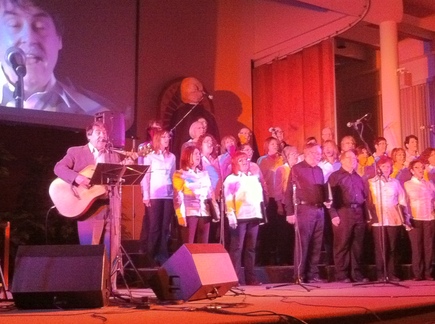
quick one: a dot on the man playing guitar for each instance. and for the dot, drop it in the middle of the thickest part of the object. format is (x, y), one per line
(73, 195)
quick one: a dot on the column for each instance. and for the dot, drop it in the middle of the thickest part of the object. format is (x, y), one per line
(390, 85)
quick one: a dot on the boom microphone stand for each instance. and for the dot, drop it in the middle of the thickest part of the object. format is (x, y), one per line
(298, 250)
(171, 132)
(360, 135)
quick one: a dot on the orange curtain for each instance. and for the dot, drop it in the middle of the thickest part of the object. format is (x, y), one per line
(296, 93)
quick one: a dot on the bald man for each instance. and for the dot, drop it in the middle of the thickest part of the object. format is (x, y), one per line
(192, 94)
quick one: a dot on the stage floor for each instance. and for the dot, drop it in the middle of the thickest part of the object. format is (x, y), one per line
(412, 302)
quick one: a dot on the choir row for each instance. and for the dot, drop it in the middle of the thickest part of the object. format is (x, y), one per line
(300, 189)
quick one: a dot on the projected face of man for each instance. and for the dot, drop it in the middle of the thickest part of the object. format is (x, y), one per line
(32, 29)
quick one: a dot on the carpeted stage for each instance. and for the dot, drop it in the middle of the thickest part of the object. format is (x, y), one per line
(412, 302)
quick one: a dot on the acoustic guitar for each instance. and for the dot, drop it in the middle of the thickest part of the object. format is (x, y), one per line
(73, 201)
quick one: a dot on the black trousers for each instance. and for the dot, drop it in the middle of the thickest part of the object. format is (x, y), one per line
(422, 240)
(243, 242)
(391, 237)
(308, 241)
(348, 243)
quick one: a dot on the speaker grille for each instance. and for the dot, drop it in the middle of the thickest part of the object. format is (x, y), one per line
(60, 276)
(195, 271)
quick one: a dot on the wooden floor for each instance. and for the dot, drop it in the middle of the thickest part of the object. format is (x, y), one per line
(411, 302)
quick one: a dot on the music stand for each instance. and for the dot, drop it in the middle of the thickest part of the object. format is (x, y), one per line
(116, 176)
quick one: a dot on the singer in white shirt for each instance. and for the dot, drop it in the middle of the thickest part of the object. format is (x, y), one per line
(243, 198)
(157, 191)
(390, 211)
(420, 199)
(192, 192)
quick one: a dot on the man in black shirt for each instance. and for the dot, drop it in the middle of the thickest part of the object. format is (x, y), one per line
(348, 217)
(309, 197)
(191, 110)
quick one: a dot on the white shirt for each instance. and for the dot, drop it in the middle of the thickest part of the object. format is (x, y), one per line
(191, 189)
(243, 197)
(410, 157)
(157, 182)
(420, 195)
(98, 155)
(392, 195)
(328, 167)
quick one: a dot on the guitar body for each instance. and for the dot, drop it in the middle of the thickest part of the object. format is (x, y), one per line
(73, 201)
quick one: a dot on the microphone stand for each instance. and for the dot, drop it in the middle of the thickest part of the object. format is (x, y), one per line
(133, 211)
(221, 205)
(19, 91)
(360, 135)
(184, 117)
(298, 250)
(385, 279)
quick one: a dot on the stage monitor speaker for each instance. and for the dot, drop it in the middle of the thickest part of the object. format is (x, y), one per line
(195, 271)
(60, 276)
(115, 126)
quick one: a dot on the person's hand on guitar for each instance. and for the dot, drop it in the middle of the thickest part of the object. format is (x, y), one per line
(127, 161)
(130, 156)
(83, 181)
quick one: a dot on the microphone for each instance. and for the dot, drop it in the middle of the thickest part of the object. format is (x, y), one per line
(16, 58)
(272, 130)
(381, 174)
(209, 96)
(430, 127)
(358, 121)
(109, 145)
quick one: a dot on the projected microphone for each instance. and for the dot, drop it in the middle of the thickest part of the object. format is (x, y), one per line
(209, 96)
(16, 58)
(357, 122)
